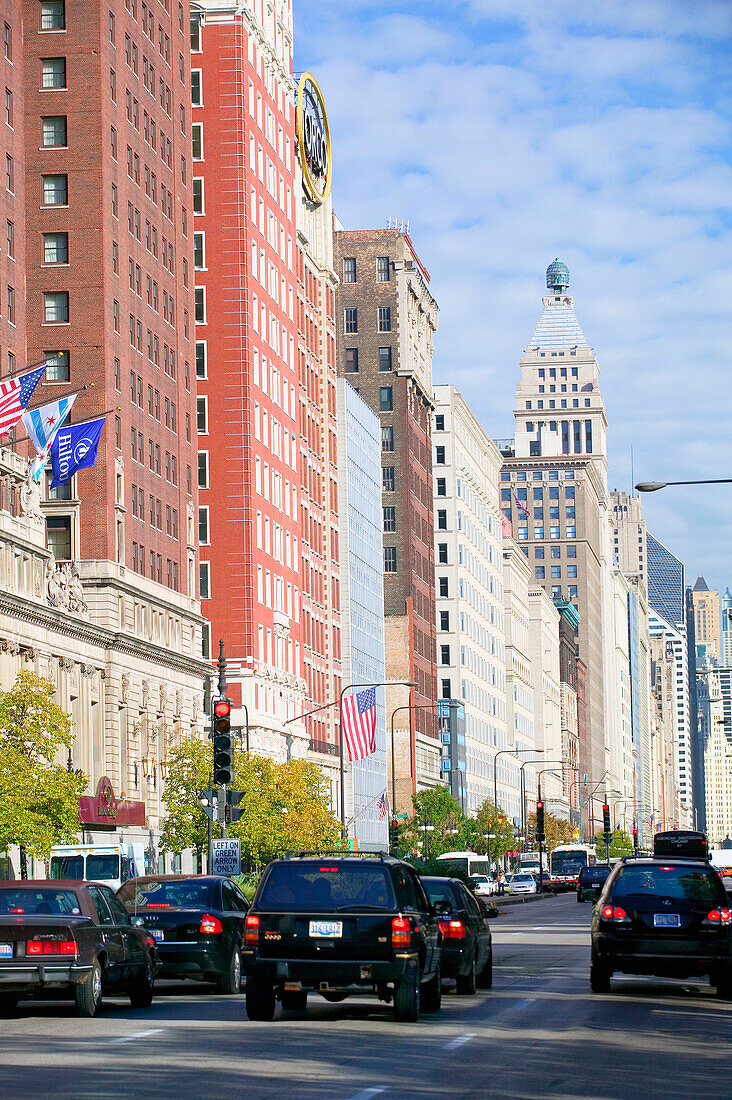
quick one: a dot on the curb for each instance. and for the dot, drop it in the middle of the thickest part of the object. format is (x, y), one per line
(517, 899)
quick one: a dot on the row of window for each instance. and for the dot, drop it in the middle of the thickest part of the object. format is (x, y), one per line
(383, 269)
(538, 493)
(352, 362)
(156, 566)
(553, 405)
(156, 512)
(383, 319)
(536, 475)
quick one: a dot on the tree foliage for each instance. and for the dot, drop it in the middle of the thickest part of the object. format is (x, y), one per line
(620, 845)
(490, 819)
(39, 797)
(557, 830)
(452, 830)
(284, 806)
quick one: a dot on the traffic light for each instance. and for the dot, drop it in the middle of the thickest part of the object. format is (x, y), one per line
(393, 836)
(606, 818)
(233, 809)
(223, 772)
(539, 820)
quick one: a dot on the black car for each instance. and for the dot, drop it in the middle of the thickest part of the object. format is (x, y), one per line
(69, 935)
(339, 925)
(591, 881)
(197, 922)
(668, 916)
(467, 952)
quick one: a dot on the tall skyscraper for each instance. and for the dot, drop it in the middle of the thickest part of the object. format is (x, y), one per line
(469, 589)
(629, 535)
(727, 628)
(665, 582)
(103, 128)
(554, 491)
(388, 317)
(705, 604)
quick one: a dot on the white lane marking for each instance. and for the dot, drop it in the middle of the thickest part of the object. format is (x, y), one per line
(460, 1041)
(366, 1094)
(524, 1004)
(138, 1035)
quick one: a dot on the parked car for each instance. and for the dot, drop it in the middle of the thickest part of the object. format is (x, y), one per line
(197, 922)
(467, 952)
(70, 935)
(521, 883)
(668, 916)
(591, 881)
(340, 925)
(484, 885)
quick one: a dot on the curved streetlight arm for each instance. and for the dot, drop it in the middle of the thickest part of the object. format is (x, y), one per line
(410, 707)
(513, 752)
(654, 486)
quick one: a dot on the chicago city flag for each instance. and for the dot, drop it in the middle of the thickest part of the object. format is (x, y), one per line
(74, 447)
(359, 724)
(42, 425)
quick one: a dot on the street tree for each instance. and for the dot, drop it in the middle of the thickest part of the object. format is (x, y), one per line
(557, 830)
(438, 824)
(620, 845)
(39, 795)
(489, 819)
(189, 771)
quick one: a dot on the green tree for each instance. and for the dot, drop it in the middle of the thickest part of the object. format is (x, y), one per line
(438, 825)
(556, 829)
(39, 797)
(490, 819)
(620, 845)
(284, 806)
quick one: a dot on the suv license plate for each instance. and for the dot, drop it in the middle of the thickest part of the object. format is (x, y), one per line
(666, 920)
(6, 950)
(326, 929)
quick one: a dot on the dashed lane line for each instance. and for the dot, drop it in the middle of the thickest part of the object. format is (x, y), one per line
(138, 1035)
(459, 1042)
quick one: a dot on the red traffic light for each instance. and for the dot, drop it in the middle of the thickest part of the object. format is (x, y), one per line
(540, 805)
(222, 708)
(606, 809)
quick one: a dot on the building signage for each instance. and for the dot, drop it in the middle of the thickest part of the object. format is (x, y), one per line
(105, 809)
(313, 138)
(225, 857)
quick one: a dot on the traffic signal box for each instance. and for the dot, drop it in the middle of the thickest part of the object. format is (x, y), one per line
(393, 836)
(223, 741)
(540, 821)
(606, 818)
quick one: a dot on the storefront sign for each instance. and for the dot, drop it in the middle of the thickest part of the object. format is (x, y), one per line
(313, 138)
(105, 809)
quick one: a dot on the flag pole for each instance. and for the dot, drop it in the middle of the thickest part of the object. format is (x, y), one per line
(75, 423)
(19, 373)
(60, 396)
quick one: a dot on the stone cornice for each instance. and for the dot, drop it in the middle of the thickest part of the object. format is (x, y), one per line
(81, 631)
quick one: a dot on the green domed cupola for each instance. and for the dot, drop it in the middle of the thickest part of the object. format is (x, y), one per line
(557, 276)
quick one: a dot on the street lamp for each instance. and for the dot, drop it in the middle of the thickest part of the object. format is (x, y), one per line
(513, 752)
(148, 765)
(654, 486)
(522, 786)
(428, 828)
(489, 837)
(409, 706)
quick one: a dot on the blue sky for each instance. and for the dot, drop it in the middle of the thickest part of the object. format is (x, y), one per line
(508, 132)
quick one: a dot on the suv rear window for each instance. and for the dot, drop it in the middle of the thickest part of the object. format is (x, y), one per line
(183, 894)
(668, 881)
(326, 886)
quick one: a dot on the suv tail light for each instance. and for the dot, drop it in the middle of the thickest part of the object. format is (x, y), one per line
(616, 914)
(50, 947)
(210, 925)
(719, 917)
(401, 932)
(452, 929)
(251, 931)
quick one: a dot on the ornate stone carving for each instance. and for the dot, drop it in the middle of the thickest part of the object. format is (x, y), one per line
(37, 578)
(7, 646)
(163, 697)
(65, 663)
(30, 499)
(56, 585)
(195, 702)
(125, 687)
(75, 591)
(145, 693)
(178, 703)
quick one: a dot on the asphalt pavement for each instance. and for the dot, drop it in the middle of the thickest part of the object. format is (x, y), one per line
(539, 1032)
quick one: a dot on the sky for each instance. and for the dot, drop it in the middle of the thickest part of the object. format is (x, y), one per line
(508, 132)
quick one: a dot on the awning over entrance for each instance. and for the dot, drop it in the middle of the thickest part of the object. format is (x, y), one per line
(105, 809)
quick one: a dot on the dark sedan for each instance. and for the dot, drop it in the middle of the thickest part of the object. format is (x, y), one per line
(591, 881)
(467, 951)
(69, 935)
(667, 916)
(197, 922)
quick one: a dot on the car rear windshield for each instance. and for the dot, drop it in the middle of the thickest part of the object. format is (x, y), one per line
(326, 887)
(668, 881)
(39, 902)
(182, 894)
(438, 891)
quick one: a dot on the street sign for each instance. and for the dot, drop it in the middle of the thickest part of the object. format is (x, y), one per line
(225, 857)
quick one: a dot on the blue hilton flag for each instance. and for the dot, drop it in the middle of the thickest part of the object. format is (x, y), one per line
(73, 448)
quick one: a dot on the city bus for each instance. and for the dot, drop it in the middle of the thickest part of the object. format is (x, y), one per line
(464, 864)
(565, 863)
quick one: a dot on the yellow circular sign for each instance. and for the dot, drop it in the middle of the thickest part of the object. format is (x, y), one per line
(313, 137)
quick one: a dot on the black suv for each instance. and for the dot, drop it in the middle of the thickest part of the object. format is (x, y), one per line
(339, 925)
(667, 915)
(591, 881)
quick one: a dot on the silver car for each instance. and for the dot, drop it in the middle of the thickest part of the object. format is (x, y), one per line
(521, 883)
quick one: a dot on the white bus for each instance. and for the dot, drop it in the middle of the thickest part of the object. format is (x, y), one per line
(464, 863)
(565, 863)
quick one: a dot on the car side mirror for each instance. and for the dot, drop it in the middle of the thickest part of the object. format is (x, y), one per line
(490, 912)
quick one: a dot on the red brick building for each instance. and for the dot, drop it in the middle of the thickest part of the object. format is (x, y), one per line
(387, 319)
(12, 157)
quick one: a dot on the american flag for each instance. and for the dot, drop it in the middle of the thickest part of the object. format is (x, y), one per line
(359, 724)
(382, 806)
(15, 393)
(521, 506)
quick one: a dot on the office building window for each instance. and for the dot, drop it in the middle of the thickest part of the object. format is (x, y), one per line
(53, 131)
(53, 15)
(556, 591)
(553, 532)
(440, 456)
(55, 190)
(387, 479)
(384, 359)
(444, 586)
(445, 689)
(382, 269)
(200, 305)
(57, 366)
(441, 487)
(55, 248)
(556, 571)
(198, 196)
(201, 365)
(442, 553)
(203, 529)
(56, 307)
(351, 360)
(387, 438)
(539, 531)
(386, 403)
(203, 469)
(572, 592)
(571, 531)
(555, 551)
(53, 72)
(571, 570)
(442, 519)
(539, 553)
(349, 269)
(440, 424)
(571, 551)
(390, 518)
(58, 537)
(540, 572)
(199, 251)
(384, 318)
(204, 581)
(444, 620)
(444, 655)
(390, 559)
(350, 319)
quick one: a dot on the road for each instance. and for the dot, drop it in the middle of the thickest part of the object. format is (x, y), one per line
(538, 1032)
